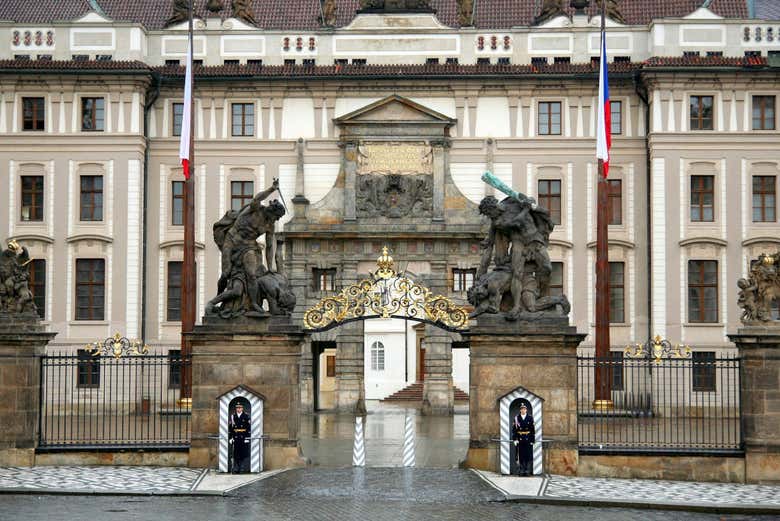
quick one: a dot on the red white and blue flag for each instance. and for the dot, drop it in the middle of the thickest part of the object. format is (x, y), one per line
(184, 144)
(603, 130)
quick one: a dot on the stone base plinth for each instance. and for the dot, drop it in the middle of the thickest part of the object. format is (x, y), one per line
(539, 356)
(262, 355)
(22, 344)
(721, 469)
(759, 348)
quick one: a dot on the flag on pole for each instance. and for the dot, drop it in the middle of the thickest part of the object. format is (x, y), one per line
(603, 131)
(186, 127)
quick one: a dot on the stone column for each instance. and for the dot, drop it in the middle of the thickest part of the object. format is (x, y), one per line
(261, 354)
(300, 203)
(22, 344)
(759, 383)
(439, 167)
(350, 365)
(539, 356)
(438, 394)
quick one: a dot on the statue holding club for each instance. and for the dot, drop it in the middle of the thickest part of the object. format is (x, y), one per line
(517, 245)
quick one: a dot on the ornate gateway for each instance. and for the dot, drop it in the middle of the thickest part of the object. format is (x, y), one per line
(386, 295)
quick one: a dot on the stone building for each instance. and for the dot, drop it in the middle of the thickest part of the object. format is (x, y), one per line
(313, 93)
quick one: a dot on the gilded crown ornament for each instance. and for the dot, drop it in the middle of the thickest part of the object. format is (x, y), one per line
(117, 346)
(385, 264)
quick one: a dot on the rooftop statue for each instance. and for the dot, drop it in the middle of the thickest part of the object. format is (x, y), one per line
(329, 13)
(758, 292)
(242, 9)
(550, 9)
(246, 282)
(181, 12)
(15, 294)
(395, 5)
(517, 244)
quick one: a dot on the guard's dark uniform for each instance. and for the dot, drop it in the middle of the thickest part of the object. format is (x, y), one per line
(240, 432)
(523, 432)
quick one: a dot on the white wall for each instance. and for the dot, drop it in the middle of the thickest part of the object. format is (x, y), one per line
(460, 368)
(380, 384)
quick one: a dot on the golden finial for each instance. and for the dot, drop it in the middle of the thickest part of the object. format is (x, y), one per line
(14, 246)
(385, 264)
(768, 259)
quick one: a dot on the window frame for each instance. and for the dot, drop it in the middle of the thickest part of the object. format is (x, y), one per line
(613, 288)
(174, 368)
(93, 193)
(700, 192)
(87, 369)
(378, 356)
(763, 195)
(93, 115)
(36, 210)
(177, 197)
(612, 111)
(174, 106)
(763, 118)
(245, 121)
(616, 367)
(460, 279)
(562, 285)
(34, 284)
(330, 366)
(171, 312)
(551, 197)
(701, 285)
(614, 197)
(699, 118)
(549, 116)
(320, 278)
(243, 197)
(35, 108)
(96, 314)
(707, 371)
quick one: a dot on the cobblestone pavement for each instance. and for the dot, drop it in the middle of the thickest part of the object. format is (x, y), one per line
(101, 479)
(335, 494)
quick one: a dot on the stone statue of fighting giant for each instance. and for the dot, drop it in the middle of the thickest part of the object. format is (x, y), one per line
(245, 282)
(517, 244)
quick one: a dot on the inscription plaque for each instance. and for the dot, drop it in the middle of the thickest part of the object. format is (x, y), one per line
(395, 158)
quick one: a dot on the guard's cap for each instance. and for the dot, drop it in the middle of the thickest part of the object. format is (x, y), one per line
(523, 406)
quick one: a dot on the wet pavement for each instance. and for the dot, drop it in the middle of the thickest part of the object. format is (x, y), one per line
(441, 441)
(335, 494)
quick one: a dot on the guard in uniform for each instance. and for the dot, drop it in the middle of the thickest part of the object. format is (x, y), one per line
(523, 435)
(239, 431)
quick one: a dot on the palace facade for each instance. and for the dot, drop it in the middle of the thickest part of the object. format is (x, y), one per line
(378, 125)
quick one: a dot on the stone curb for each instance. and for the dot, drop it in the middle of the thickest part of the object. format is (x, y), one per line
(93, 492)
(725, 508)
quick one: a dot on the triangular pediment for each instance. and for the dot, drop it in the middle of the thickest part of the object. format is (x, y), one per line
(394, 109)
(241, 390)
(93, 17)
(702, 13)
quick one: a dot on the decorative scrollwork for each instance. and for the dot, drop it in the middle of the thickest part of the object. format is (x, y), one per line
(657, 349)
(386, 294)
(118, 346)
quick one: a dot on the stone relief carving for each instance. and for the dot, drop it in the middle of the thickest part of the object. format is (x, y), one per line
(15, 294)
(758, 291)
(246, 283)
(517, 243)
(394, 195)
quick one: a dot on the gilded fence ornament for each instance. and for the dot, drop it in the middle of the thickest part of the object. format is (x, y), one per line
(657, 349)
(760, 289)
(118, 346)
(386, 294)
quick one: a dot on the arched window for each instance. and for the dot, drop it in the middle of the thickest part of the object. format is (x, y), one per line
(377, 356)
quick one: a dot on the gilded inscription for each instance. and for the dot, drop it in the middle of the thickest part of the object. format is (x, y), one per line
(395, 158)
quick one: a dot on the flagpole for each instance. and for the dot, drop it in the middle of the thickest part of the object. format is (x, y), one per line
(602, 374)
(188, 264)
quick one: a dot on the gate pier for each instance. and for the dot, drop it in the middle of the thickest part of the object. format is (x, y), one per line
(23, 342)
(261, 354)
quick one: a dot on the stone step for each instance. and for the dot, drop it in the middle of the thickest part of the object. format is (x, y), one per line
(414, 393)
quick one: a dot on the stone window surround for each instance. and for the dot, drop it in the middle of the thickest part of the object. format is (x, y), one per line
(18, 173)
(46, 106)
(685, 193)
(541, 173)
(103, 226)
(107, 286)
(716, 107)
(171, 231)
(618, 253)
(229, 108)
(244, 173)
(563, 115)
(749, 123)
(694, 254)
(78, 109)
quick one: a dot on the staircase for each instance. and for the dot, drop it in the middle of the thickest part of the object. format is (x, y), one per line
(414, 393)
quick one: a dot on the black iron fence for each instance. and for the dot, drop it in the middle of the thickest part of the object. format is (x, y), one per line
(674, 405)
(95, 402)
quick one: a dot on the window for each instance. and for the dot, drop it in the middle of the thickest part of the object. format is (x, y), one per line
(230, 62)
(104, 57)
(504, 60)
(32, 198)
(341, 61)
(463, 279)
(197, 62)
(177, 203)
(88, 369)
(174, 368)
(691, 54)
(702, 291)
(556, 279)
(37, 284)
(549, 118)
(377, 356)
(703, 363)
(561, 59)
(432, 61)
(90, 289)
(172, 62)
(22, 57)
(330, 366)
(763, 112)
(243, 119)
(615, 201)
(621, 59)
(44, 57)
(701, 112)
(617, 370)
(81, 57)
(711, 54)
(616, 117)
(34, 114)
(178, 114)
(289, 61)
(550, 198)
(764, 198)
(308, 62)
(452, 61)
(538, 60)
(254, 62)
(752, 54)
(359, 61)
(91, 198)
(702, 198)
(92, 114)
(324, 279)
(174, 291)
(617, 312)
(483, 61)
(241, 194)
